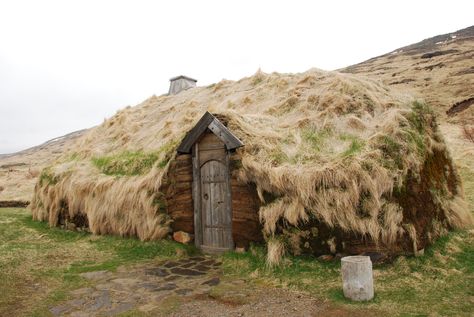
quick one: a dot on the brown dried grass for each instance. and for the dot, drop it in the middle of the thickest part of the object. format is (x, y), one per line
(298, 131)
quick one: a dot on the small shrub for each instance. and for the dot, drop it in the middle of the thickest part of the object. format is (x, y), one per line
(47, 177)
(419, 117)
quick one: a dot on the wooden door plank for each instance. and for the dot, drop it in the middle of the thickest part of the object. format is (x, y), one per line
(197, 196)
(216, 211)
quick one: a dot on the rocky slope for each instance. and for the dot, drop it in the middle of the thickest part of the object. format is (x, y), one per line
(440, 69)
(19, 171)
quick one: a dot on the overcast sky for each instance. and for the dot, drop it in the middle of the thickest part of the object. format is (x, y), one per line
(67, 65)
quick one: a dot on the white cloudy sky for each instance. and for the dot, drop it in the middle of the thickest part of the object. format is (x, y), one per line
(66, 65)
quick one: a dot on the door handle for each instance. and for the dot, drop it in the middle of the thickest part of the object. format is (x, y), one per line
(206, 196)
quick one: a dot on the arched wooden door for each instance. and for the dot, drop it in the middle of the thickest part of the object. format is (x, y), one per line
(216, 216)
(212, 195)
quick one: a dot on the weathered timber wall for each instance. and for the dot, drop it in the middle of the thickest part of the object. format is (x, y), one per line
(178, 192)
(179, 201)
(246, 226)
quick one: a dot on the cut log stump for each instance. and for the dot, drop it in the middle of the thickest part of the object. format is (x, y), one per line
(357, 280)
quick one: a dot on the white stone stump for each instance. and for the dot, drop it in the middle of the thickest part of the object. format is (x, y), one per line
(357, 280)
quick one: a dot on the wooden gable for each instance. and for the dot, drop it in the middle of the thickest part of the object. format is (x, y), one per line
(208, 121)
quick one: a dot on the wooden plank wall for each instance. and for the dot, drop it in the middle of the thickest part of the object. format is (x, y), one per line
(177, 187)
(246, 226)
(178, 192)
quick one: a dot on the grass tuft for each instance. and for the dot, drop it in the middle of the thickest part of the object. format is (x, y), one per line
(126, 163)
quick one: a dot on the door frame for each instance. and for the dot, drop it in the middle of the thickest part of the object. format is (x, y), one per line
(198, 224)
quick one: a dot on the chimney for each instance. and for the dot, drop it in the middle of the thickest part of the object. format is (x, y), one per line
(180, 83)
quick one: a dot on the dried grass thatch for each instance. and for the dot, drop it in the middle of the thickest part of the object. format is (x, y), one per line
(325, 146)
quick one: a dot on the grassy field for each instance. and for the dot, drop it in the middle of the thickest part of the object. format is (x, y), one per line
(39, 266)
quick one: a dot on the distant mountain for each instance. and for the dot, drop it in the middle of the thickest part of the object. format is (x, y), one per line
(439, 69)
(19, 171)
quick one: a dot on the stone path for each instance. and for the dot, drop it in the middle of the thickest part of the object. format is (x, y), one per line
(187, 287)
(142, 288)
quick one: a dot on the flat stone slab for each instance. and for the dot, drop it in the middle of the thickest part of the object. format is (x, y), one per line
(59, 310)
(212, 282)
(101, 301)
(120, 308)
(185, 272)
(141, 288)
(167, 287)
(171, 264)
(158, 272)
(183, 291)
(202, 268)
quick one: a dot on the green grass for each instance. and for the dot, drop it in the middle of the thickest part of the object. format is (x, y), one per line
(47, 177)
(126, 163)
(440, 282)
(355, 146)
(278, 156)
(316, 137)
(31, 253)
(134, 163)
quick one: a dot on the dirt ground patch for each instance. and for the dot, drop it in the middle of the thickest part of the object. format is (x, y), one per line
(52, 272)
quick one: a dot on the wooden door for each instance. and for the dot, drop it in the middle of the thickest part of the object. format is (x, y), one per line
(213, 208)
(216, 219)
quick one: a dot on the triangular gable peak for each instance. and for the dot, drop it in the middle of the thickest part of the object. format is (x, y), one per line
(208, 121)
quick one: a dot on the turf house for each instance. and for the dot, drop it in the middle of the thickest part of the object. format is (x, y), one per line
(311, 163)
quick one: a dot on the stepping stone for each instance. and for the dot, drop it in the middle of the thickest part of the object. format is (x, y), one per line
(202, 268)
(212, 282)
(186, 272)
(157, 272)
(150, 285)
(167, 287)
(197, 258)
(59, 310)
(76, 302)
(188, 265)
(120, 308)
(208, 262)
(183, 291)
(171, 264)
(100, 302)
(172, 278)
